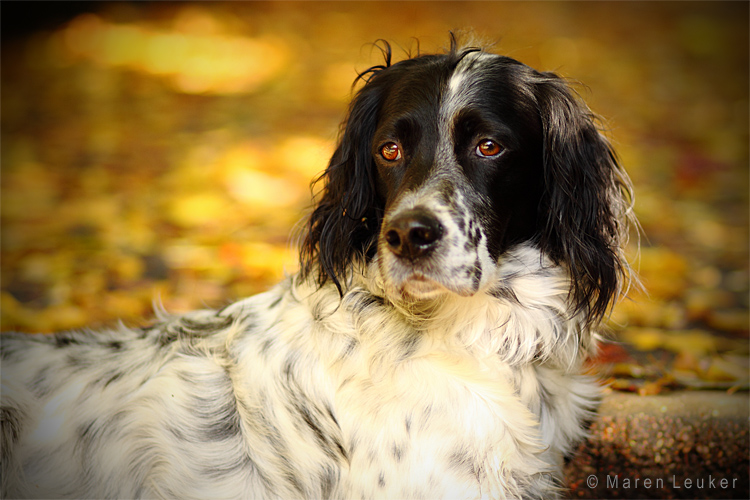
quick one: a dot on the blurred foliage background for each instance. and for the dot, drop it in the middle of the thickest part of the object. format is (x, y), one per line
(164, 152)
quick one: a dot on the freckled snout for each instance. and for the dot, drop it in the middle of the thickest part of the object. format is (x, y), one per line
(412, 234)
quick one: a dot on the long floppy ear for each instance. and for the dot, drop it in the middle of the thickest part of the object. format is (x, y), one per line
(588, 200)
(345, 223)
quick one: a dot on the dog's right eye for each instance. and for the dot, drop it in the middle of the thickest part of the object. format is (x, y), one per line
(488, 148)
(390, 151)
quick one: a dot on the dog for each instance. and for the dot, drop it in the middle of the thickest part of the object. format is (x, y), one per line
(466, 243)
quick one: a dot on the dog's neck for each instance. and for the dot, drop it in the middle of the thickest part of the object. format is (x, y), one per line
(524, 316)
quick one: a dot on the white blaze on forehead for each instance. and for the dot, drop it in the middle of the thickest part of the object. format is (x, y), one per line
(461, 85)
(456, 82)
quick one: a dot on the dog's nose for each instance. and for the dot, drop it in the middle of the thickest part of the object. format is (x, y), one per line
(413, 233)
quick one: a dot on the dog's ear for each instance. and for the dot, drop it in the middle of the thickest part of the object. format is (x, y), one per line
(587, 203)
(345, 221)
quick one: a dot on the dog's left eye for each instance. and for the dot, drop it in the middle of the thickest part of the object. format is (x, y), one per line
(488, 148)
(390, 151)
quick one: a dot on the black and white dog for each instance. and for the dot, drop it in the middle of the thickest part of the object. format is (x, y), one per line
(467, 240)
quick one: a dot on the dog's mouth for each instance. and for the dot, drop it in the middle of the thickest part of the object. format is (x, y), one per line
(417, 286)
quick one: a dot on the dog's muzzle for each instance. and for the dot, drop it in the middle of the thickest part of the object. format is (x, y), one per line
(413, 234)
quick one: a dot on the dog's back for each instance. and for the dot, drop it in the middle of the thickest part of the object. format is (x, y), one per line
(119, 413)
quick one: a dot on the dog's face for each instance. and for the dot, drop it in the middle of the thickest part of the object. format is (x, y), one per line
(448, 161)
(458, 159)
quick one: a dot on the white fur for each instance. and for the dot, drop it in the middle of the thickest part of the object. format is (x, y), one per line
(299, 393)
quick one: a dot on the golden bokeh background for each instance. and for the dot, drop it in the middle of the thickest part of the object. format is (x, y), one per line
(163, 152)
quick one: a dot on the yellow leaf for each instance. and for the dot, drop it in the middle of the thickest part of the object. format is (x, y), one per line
(643, 339)
(697, 342)
(197, 209)
(723, 369)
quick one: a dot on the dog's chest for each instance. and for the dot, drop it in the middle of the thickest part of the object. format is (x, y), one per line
(429, 428)
(386, 412)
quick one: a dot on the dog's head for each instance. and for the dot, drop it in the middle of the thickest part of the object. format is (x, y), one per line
(448, 161)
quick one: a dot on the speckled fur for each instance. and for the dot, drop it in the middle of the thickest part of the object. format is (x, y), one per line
(298, 393)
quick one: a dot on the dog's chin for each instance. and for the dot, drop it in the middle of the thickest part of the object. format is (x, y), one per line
(419, 288)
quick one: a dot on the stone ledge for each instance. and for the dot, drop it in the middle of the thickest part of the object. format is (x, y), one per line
(678, 445)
